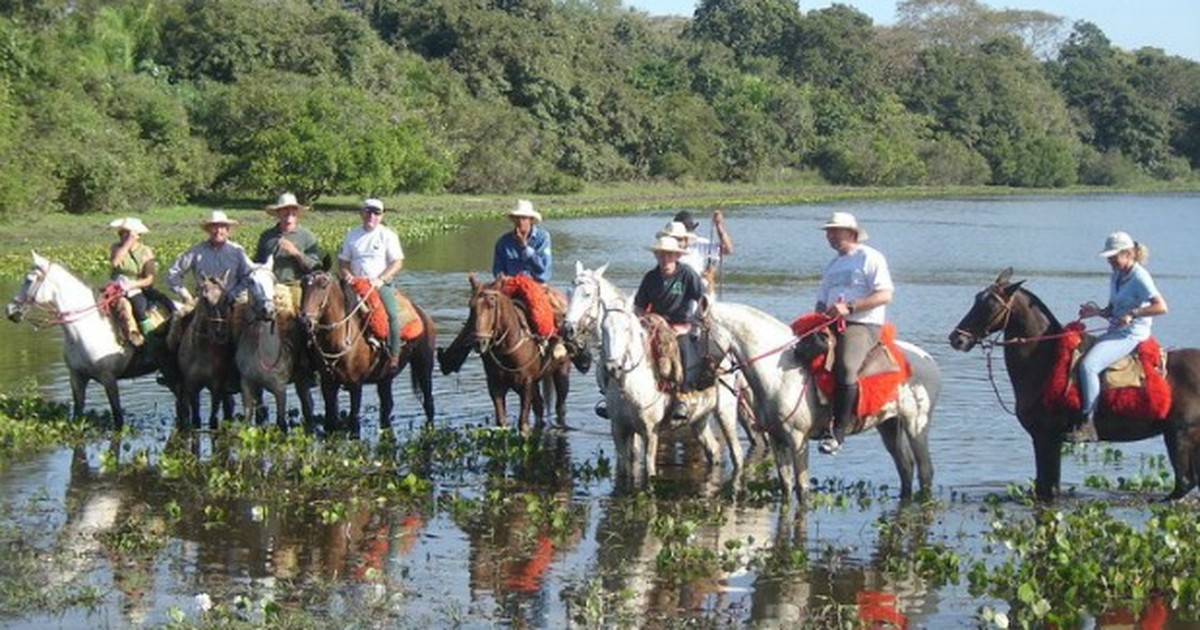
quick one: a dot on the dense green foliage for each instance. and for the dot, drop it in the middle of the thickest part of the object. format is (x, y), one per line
(120, 105)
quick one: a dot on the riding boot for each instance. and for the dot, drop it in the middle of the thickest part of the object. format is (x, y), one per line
(1085, 429)
(452, 358)
(845, 412)
(132, 333)
(580, 355)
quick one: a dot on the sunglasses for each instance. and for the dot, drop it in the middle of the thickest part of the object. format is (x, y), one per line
(372, 210)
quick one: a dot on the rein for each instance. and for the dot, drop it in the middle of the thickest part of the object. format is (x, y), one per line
(56, 316)
(348, 341)
(496, 341)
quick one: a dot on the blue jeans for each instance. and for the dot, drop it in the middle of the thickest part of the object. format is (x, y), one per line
(1109, 348)
(388, 297)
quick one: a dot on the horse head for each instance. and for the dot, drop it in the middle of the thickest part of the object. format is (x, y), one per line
(989, 314)
(622, 340)
(34, 289)
(316, 288)
(583, 310)
(261, 286)
(487, 312)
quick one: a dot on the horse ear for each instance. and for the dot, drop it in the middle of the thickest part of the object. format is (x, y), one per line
(39, 261)
(270, 263)
(326, 262)
(600, 270)
(474, 283)
(578, 267)
(1004, 276)
(1012, 288)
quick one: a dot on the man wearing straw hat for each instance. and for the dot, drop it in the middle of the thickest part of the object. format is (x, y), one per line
(214, 257)
(673, 290)
(856, 287)
(292, 248)
(703, 254)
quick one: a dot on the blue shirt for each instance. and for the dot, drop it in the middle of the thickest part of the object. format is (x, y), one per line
(1127, 291)
(533, 260)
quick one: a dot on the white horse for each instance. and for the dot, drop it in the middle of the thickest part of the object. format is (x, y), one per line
(271, 351)
(91, 348)
(636, 405)
(786, 402)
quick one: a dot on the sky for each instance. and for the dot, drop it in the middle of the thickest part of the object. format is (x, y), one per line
(1130, 24)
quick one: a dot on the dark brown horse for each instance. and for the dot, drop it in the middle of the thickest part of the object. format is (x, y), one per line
(512, 359)
(1030, 344)
(206, 353)
(332, 316)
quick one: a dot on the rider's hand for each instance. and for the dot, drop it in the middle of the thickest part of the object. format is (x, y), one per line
(125, 283)
(288, 247)
(718, 219)
(186, 296)
(1088, 309)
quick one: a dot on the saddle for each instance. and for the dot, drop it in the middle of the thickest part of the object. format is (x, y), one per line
(374, 316)
(880, 376)
(538, 302)
(1134, 387)
(664, 351)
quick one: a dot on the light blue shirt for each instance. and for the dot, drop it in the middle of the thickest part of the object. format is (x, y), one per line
(1128, 291)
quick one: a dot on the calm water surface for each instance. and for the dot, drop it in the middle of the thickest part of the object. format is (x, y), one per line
(941, 253)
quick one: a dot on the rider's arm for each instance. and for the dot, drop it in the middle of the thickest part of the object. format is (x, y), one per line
(538, 256)
(876, 298)
(726, 243)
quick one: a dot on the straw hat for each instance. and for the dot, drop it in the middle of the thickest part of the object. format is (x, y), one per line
(674, 229)
(373, 204)
(524, 208)
(130, 224)
(1116, 242)
(218, 217)
(286, 200)
(667, 244)
(847, 221)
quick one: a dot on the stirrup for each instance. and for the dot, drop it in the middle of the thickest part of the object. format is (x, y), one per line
(830, 445)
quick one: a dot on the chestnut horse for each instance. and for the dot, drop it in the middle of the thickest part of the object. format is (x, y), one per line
(512, 359)
(332, 316)
(1030, 343)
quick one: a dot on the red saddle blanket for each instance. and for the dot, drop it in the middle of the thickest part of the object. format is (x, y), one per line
(1151, 402)
(411, 325)
(874, 391)
(541, 314)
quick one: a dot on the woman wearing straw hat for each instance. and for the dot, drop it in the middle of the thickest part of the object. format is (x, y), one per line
(673, 290)
(215, 256)
(133, 270)
(292, 248)
(1133, 299)
(856, 287)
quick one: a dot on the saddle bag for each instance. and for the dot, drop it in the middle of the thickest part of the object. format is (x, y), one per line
(811, 346)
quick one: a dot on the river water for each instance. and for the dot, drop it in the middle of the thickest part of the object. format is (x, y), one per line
(941, 253)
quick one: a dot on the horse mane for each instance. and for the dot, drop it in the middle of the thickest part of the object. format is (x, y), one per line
(1038, 305)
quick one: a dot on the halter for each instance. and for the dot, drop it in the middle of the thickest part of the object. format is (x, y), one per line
(1000, 318)
(349, 343)
(624, 368)
(58, 316)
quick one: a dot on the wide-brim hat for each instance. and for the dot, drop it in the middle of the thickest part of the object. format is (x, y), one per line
(845, 220)
(1116, 242)
(674, 229)
(218, 217)
(667, 244)
(685, 217)
(286, 200)
(524, 208)
(130, 224)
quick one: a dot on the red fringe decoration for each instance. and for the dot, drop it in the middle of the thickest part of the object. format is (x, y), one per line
(873, 391)
(376, 317)
(541, 314)
(1152, 402)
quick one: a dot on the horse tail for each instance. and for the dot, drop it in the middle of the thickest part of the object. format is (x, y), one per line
(421, 363)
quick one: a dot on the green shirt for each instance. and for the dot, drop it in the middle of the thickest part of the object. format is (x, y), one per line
(289, 268)
(134, 261)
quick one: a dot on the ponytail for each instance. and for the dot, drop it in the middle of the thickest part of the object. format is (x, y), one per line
(1140, 252)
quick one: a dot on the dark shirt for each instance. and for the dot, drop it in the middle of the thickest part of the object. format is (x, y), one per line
(288, 268)
(533, 260)
(672, 297)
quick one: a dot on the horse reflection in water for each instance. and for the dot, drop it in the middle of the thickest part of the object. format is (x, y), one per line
(91, 347)
(332, 316)
(636, 404)
(516, 538)
(785, 403)
(271, 351)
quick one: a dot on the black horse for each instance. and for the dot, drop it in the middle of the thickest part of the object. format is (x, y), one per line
(1031, 335)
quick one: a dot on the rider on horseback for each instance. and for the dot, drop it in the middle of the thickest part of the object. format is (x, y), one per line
(293, 247)
(1133, 299)
(673, 291)
(373, 251)
(856, 287)
(214, 257)
(133, 269)
(523, 251)
(703, 255)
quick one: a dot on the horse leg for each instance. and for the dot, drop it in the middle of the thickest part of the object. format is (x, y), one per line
(781, 444)
(702, 431)
(727, 414)
(421, 370)
(622, 435)
(79, 383)
(251, 400)
(114, 402)
(354, 425)
(280, 392)
(193, 397)
(1047, 454)
(896, 444)
(1182, 453)
(303, 386)
(562, 386)
(329, 392)
(386, 404)
(497, 392)
(650, 437)
(530, 399)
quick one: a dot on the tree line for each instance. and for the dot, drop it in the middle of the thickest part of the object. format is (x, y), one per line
(117, 105)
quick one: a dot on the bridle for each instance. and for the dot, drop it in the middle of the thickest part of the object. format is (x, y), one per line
(628, 361)
(315, 326)
(56, 316)
(489, 340)
(997, 324)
